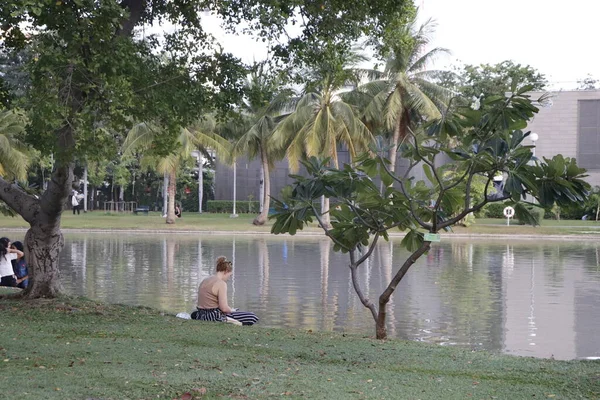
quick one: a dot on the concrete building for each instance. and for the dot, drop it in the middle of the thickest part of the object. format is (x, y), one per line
(570, 126)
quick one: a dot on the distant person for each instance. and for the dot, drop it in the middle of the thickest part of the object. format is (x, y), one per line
(212, 298)
(177, 211)
(75, 203)
(20, 267)
(7, 254)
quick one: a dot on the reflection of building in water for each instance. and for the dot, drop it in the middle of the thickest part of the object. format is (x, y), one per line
(546, 304)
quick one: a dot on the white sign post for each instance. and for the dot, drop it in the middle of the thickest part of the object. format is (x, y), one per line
(509, 212)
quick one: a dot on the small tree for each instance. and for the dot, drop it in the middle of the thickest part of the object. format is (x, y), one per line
(480, 143)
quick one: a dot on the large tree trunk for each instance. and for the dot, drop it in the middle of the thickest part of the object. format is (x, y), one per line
(43, 241)
(171, 198)
(266, 193)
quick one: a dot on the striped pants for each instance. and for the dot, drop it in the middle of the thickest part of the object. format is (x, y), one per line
(215, 314)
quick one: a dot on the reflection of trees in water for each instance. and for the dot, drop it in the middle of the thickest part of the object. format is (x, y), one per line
(385, 251)
(329, 305)
(468, 292)
(263, 271)
(553, 259)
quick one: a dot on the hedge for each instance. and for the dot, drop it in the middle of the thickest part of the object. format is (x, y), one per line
(226, 206)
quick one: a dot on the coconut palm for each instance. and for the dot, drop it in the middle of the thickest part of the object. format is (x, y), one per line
(264, 107)
(14, 155)
(322, 121)
(404, 94)
(142, 136)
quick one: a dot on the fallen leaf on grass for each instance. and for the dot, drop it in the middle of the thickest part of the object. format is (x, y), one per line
(201, 391)
(187, 396)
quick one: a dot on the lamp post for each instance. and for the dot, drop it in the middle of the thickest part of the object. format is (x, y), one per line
(234, 215)
(198, 156)
(533, 137)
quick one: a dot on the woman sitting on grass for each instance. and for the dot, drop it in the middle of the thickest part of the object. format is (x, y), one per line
(7, 254)
(20, 267)
(212, 298)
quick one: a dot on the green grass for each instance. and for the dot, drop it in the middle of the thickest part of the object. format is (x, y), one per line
(222, 222)
(73, 348)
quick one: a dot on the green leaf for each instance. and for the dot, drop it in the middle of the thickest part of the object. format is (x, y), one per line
(412, 240)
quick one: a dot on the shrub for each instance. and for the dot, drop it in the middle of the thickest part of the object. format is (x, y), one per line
(537, 212)
(226, 206)
(494, 210)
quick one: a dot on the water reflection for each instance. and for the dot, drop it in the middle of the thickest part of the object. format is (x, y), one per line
(522, 297)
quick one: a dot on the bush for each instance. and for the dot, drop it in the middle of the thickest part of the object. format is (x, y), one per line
(537, 212)
(494, 210)
(226, 206)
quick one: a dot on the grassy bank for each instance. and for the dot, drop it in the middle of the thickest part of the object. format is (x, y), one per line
(79, 349)
(223, 222)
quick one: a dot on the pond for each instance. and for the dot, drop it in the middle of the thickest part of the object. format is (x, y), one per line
(534, 297)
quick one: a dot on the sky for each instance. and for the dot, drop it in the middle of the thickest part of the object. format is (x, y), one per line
(558, 38)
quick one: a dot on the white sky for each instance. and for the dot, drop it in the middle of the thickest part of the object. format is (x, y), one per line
(557, 38)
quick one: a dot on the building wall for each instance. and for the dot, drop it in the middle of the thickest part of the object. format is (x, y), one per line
(248, 177)
(558, 126)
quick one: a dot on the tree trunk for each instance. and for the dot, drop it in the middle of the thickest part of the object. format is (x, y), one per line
(380, 329)
(325, 212)
(200, 184)
(93, 198)
(43, 244)
(85, 188)
(171, 198)
(165, 192)
(261, 190)
(400, 132)
(264, 214)
(43, 241)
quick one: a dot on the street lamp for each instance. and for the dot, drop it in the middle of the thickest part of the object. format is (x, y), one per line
(534, 137)
(198, 156)
(234, 215)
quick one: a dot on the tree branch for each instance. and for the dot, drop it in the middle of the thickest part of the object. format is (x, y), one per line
(385, 296)
(16, 198)
(136, 9)
(371, 248)
(410, 202)
(353, 267)
(327, 233)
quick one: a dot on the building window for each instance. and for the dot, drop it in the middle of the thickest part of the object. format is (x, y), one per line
(589, 134)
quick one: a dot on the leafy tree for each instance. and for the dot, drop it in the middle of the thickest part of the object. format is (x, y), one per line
(404, 95)
(480, 143)
(90, 77)
(587, 83)
(322, 120)
(264, 106)
(14, 154)
(142, 138)
(488, 79)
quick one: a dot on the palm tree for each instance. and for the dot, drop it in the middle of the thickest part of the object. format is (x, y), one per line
(404, 94)
(142, 136)
(14, 155)
(322, 120)
(265, 106)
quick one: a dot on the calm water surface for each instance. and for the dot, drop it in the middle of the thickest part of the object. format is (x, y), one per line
(528, 297)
